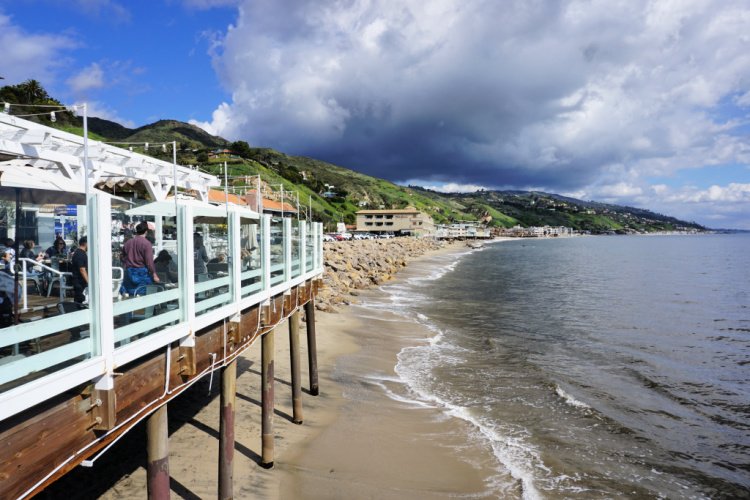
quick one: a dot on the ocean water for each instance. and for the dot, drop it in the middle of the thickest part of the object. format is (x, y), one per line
(598, 367)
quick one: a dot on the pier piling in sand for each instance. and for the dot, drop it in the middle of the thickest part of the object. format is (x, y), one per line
(158, 455)
(312, 349)
(226, 430)
(267, 382)
(294, 364)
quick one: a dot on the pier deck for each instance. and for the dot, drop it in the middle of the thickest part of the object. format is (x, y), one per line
(73, 380)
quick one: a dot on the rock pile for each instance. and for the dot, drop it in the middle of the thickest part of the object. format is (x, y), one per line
(353, 265)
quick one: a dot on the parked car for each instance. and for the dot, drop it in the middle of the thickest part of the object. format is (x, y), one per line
(328, 237)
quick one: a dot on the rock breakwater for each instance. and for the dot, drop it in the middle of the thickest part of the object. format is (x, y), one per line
(354, 265)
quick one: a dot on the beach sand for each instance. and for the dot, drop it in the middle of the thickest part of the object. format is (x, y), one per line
(356, 440)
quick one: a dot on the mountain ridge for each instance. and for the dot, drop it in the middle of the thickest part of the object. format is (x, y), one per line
(336, 193)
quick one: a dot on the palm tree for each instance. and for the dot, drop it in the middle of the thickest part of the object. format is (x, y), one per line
(32, 91)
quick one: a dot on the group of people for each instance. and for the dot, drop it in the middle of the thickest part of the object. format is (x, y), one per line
(137, 258)
(78, 265)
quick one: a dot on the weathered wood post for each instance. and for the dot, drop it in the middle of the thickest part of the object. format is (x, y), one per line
(158, 455)
(312, 348)
(267, 351)
(294, 363)
(226, 430)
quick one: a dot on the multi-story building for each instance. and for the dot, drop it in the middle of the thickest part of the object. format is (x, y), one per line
(398, 221)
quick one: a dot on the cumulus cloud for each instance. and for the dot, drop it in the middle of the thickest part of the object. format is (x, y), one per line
(91, 77)
(448, 187)
(27, 55)
(493, 93)
(113, 11)
(101, 110)
(210, 4)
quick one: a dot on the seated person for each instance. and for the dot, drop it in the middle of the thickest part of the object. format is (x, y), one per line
(57, 249)
(219, 259)
(165, 266)
(6, 261)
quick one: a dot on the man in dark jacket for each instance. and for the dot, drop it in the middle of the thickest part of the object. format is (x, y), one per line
(80, 270)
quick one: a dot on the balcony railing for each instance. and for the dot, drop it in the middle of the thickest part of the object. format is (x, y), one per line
(222, 260)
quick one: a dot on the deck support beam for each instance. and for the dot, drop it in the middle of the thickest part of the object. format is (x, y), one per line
(312, 348)
(226, 430)
(158, 455)
(267, 382)
(294, 364)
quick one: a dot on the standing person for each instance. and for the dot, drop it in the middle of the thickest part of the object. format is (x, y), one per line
(138, 260)
(200, 257)
(80, 264)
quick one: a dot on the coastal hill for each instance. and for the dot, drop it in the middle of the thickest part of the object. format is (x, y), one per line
(336, 193)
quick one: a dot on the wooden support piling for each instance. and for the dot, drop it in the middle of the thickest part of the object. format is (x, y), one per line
(226, 430)
(294, 363)
(312, 349)
(158, 455)
(267, 353)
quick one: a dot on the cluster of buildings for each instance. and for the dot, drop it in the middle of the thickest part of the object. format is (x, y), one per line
(410, 221)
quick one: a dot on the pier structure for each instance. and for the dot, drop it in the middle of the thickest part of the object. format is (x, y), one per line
(76, 377)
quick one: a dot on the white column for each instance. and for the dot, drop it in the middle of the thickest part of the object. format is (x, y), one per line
(302, 247)
(235, 256)
(265, 257)
(287, 247)
(100, 285)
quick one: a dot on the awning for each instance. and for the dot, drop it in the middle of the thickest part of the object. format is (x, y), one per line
(25, 184)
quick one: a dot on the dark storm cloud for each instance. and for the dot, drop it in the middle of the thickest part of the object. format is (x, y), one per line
(577, 96)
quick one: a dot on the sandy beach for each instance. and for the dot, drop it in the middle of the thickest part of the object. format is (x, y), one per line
(359, 438)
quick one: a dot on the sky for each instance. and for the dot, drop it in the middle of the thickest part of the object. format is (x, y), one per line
(634, 102)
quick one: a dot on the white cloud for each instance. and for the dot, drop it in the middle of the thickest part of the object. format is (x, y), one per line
(210, 4)
(90, 77)
(584, 95)
(101, 110)
(448, 187)
(26, 55)
(527, 88)
(105, 8)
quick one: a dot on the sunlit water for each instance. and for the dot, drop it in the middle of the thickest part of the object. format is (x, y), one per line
(593, 367)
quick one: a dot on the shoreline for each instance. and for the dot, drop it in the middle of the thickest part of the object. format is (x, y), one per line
(382, 443)
(370, 446)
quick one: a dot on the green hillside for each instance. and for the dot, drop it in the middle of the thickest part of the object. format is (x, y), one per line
(336, 193)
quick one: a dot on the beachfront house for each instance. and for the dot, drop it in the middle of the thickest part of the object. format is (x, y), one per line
(407, 221)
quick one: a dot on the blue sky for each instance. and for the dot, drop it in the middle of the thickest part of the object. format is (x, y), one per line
(637, 102)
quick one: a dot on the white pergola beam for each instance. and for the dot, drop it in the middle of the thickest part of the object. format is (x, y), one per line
(40, 143)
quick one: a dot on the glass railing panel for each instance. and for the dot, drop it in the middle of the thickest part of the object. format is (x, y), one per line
(144, 304)
(277, 251)
(309, 247)
(251, 277)
(296, 250)
(211, 261)
(45, 324)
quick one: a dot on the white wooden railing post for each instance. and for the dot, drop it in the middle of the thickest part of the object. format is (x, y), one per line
(265, 236)
(100, 290)
(320, 246)
(235, 256)
(186, 269)
(287, 247)
(302, 247)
